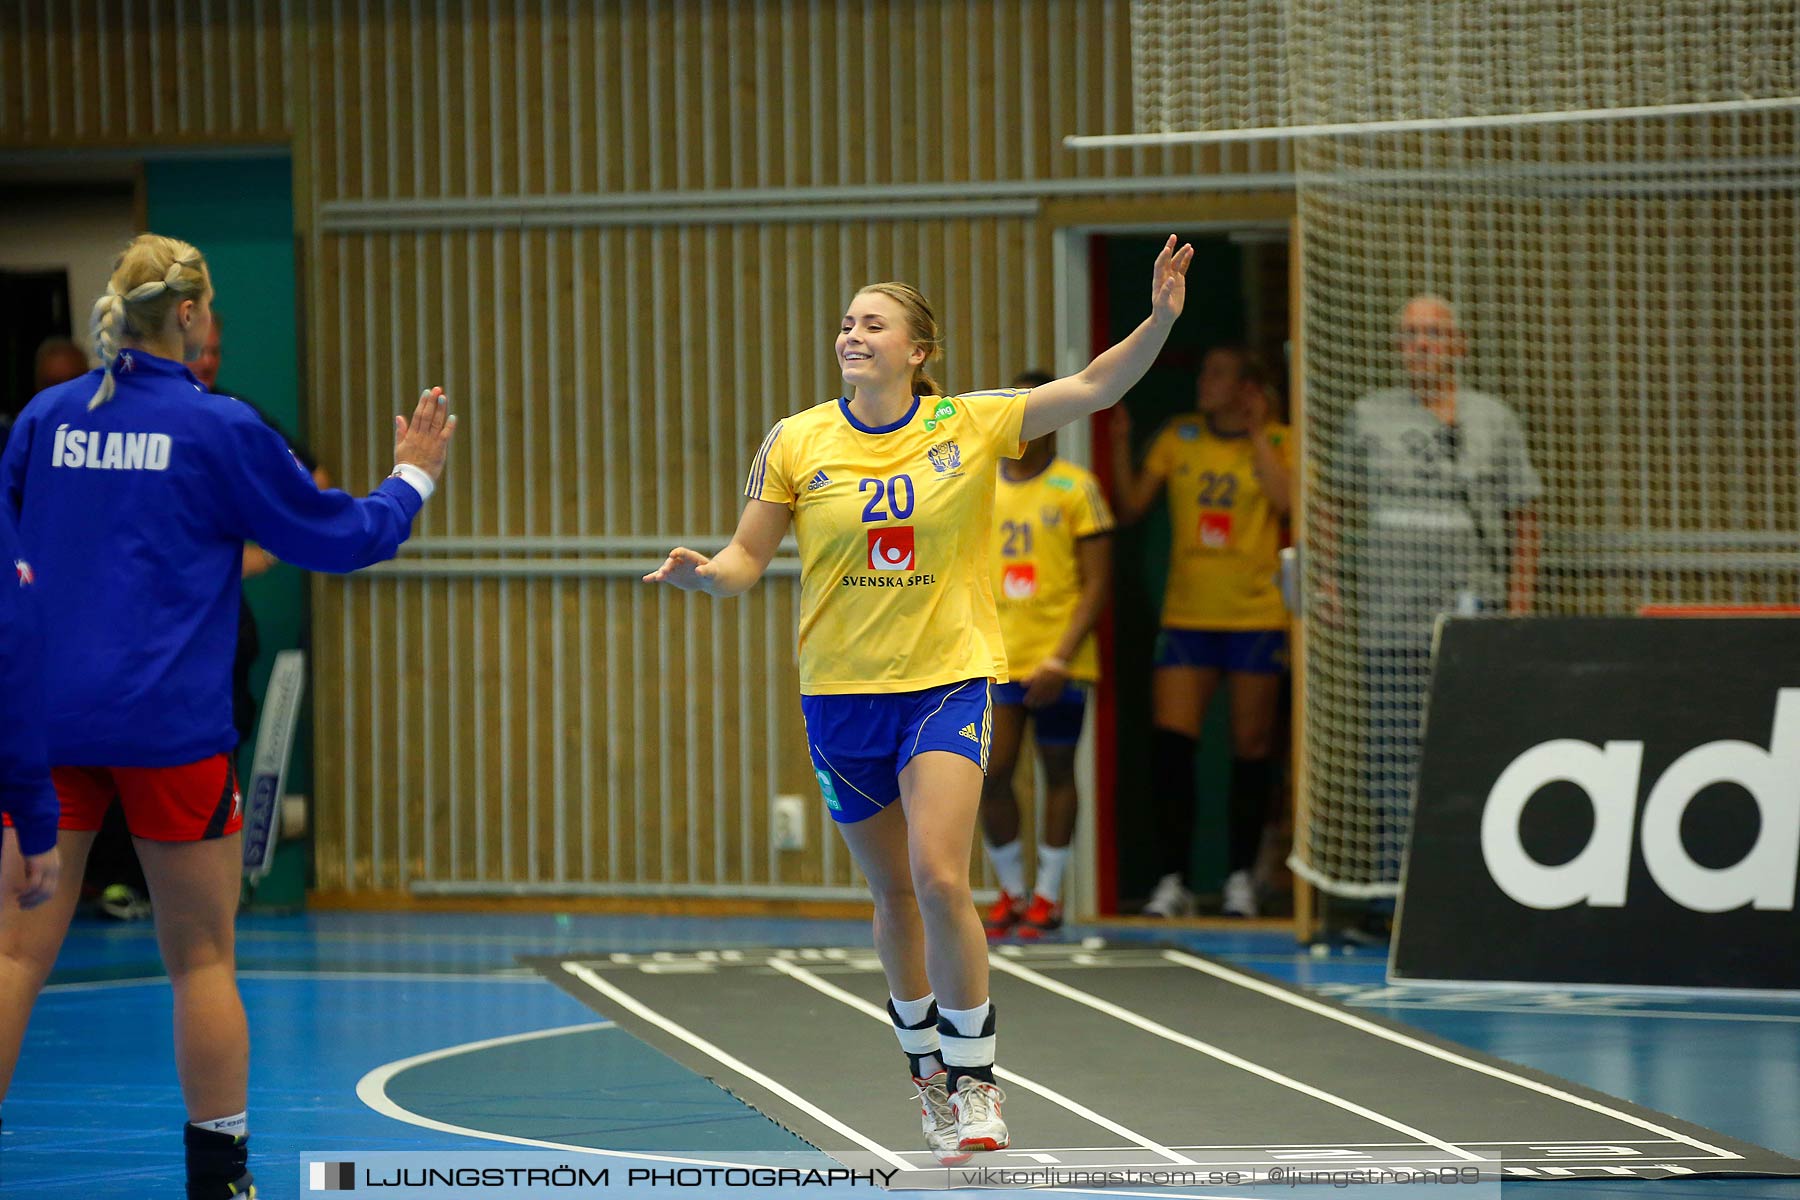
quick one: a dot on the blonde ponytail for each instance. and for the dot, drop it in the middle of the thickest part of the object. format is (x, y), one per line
(152, 276)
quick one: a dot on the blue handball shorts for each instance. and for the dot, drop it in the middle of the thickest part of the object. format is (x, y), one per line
(1058, 723)
(1240, 651)
(861, 742)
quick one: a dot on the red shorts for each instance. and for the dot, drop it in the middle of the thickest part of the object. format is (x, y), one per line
(189, 803)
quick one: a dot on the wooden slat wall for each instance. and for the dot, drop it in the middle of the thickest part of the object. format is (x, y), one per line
(92, 73)
(614, 372)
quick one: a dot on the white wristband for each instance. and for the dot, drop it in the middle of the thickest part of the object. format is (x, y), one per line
(415, 478)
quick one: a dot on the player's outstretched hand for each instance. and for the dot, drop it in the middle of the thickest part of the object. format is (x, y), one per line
(1168, 282)
(686, 569)
(425, 443)
(37, 882)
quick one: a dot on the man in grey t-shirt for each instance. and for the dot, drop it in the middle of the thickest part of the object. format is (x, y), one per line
(1447, 523)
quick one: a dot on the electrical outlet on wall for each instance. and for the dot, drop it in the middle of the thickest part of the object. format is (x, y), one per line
(787, 823)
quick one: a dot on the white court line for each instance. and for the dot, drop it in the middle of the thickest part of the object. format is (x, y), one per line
(1400, 1039)
(395, 976)
(102, 985)
(1050, 1094)
(97, 985)
(371, 1089)
(1540, 1010)
(593, 980)
(1224, 1056)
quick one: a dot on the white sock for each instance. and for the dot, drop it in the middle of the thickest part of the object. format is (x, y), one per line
(914, 1011)
(237, 1126)
(1051, 861)
(1009, 865)
(969, 1049)
(967, 1022)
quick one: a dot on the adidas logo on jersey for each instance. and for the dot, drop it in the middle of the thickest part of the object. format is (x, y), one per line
(818, 481)
(970, 732)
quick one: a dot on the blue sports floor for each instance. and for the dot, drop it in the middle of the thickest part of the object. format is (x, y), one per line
(335, 998)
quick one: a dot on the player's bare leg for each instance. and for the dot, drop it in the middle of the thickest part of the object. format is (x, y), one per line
(941, 792)
(30, 938)
(193, 896)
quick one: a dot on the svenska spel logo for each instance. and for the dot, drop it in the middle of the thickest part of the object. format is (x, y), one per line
(27, 576)
(1215, 530)
(332, 1177)
(891, 549)
(1018, 581)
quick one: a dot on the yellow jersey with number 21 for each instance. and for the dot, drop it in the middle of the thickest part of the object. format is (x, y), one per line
(894, 524)
(1037, 523)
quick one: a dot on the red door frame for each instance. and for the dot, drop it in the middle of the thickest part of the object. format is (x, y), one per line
(1106, 733)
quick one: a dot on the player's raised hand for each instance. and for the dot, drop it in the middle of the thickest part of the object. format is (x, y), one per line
(425, 443)
(1168, 281)
(686, 569)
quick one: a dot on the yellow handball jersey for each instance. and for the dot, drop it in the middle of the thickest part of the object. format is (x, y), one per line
(1225, 538)
(894, 522)
(1037, 581)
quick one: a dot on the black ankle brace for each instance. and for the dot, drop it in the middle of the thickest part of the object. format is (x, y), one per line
(914, 1061)
(217, 1164)
(957, 1046)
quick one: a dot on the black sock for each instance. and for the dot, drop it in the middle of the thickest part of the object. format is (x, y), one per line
(217, 1163)
(1251, 781)
(957, 1046)
(1172, 775)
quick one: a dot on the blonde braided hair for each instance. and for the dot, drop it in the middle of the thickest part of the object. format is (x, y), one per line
(149, 278)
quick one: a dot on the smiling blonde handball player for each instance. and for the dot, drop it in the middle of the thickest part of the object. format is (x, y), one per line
(890, 492)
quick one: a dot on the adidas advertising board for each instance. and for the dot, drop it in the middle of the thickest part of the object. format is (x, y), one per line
(1608, 801)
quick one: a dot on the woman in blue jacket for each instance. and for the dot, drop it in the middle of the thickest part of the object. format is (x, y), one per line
(135, 490)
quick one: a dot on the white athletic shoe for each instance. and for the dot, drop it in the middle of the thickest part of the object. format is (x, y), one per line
(977, 1108)
(1240, 895)
(939, 1119)
(1170, 899)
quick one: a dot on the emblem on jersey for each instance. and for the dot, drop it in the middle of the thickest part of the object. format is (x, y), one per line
(1188, 433)
(943, 412)
(1215, 530)
(818, 481)
(1050, 515)
(26, 576)
(945, 457)
(891, 549)
(1019, 581)
(1061, 483)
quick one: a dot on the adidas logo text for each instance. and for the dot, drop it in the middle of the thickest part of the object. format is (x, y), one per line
(969, 732)
(818, 481)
